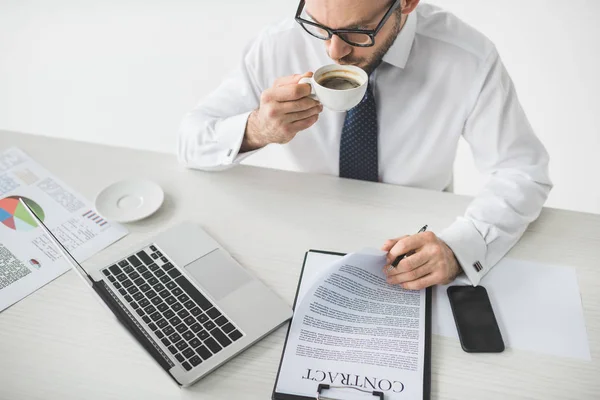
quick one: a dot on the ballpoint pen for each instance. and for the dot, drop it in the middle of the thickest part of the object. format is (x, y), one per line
(403, 256)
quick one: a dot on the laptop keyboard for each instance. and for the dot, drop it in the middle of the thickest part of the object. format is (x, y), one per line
(181, 317)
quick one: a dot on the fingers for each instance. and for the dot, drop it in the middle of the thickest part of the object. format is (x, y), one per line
(432, 263)
(286, 109)
(390, 243)
(304, 114)
(409, 263)
(410, 243)
(292, 79)
(411, 275)
(303, 104)
(289, 92)
(304, 123)
(290, 111)
(421, 283)
(289, 101)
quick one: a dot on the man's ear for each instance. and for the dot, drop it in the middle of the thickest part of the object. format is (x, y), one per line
(409, 6)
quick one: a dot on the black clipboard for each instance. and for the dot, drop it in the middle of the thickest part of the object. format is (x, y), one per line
(427, 356)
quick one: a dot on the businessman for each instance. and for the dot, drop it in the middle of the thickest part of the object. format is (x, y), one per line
(432, 79)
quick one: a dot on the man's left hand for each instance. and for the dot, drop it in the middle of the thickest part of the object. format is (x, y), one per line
(432, 263)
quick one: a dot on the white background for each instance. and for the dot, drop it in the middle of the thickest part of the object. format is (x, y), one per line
(124, 72)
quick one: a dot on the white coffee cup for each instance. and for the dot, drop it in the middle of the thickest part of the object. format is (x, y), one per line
(336, 99)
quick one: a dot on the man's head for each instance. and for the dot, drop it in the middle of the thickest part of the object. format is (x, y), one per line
(359, 14)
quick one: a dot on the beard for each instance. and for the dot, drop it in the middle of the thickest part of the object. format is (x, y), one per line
(370, 63)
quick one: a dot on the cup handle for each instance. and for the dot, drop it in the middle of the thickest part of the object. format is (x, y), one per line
(313, 94)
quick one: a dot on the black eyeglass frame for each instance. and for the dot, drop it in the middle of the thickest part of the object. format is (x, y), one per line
(331, 32)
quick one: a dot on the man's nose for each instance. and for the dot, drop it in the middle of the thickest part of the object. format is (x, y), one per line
(337, 48)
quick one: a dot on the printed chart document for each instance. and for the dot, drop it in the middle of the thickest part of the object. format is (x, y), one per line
(352, 329)
(28, 260)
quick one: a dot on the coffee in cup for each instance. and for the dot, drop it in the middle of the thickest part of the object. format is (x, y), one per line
(338, 87)
(338, 83)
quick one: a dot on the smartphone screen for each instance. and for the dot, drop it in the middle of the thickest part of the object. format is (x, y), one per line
(475, 320)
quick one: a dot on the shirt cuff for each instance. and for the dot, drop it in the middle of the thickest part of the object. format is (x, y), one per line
(469, 248)
(232, 131)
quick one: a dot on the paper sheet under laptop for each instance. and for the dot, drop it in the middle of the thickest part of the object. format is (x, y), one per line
(538, 307)
(28, 260)
(351, 328)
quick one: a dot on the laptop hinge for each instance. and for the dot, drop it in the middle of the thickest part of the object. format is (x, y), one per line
(131, 324)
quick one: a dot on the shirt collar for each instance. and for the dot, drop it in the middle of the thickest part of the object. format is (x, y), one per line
(397, 55)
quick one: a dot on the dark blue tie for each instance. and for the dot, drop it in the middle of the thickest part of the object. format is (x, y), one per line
(358, 145)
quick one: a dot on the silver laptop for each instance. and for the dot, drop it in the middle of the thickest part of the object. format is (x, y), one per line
(185, 300)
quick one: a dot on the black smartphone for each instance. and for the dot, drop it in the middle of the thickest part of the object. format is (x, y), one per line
(475, 320)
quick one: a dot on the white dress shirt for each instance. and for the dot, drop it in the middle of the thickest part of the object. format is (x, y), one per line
(440, 79)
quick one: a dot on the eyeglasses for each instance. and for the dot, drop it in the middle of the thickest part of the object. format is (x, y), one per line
(354, 37)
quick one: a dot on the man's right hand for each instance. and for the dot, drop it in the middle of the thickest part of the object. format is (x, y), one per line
(285, 109)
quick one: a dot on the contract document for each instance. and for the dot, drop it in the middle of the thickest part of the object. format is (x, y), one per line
(355, 333)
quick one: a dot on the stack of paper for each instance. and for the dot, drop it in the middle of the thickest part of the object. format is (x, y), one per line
(28, 260)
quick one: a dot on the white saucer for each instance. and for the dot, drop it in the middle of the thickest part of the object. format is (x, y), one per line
(129, 200)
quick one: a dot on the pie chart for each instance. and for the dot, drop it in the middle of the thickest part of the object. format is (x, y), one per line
(16, 217)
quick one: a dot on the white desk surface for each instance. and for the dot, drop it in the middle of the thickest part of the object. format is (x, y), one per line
(58, 343)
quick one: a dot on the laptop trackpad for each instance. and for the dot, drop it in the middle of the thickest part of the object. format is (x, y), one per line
(218, 273)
